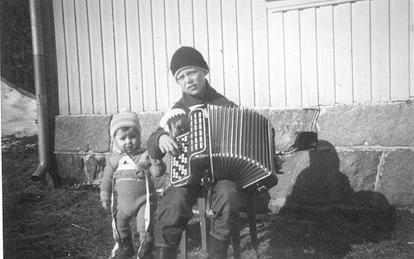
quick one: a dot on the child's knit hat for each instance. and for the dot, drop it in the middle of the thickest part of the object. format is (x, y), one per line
(187, 57)
(123, 119)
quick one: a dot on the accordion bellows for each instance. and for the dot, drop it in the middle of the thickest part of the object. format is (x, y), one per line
(224, 143)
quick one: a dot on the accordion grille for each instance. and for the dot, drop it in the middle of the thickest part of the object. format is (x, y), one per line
(240, 144)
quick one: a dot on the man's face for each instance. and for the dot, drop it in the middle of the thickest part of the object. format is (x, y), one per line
(192, 81)
(127, 140)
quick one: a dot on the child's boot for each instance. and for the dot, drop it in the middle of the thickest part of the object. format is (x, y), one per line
(146, 246)
(126, 249)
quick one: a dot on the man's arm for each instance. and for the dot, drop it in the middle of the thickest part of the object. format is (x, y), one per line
(160, 143)
(153, 144)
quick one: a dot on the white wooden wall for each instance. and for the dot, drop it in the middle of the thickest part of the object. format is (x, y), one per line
(114, 54)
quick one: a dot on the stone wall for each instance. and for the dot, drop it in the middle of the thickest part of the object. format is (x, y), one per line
(362, 148)
(82, 142)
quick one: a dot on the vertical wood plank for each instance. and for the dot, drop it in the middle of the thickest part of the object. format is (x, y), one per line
(200, 28)
(109, 56)
(277, 60)
(160, 56)
(215, 41)
(147, 51)
(308, 57)
(63, 90)
(186, 22)
(72, 57)
(134, 55)
(292, 59)
(98, 84)
(380, 54)
(260, 54)
(361, 57)
(244, 28)
(173, 43)
(230, 51)
(324, 36)
(343, 54)
(411, 48)
(399, 48)
(84, 57)
(121, 53)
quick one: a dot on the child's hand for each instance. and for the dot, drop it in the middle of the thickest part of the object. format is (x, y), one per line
(157, 168)
(141, 174)
(105, 204)
(144, 157)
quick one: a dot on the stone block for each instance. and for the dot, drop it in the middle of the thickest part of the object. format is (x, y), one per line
(94, 165)
(91, 132)
(71, 169)
(371, 125)
(287, 122)
(397, 180)
(149, 123)
(82, 133)
(360, 167)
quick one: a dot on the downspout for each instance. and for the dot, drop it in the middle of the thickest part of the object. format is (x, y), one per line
(40, 89)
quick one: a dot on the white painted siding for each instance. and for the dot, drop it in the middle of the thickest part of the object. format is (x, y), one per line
(113, 55)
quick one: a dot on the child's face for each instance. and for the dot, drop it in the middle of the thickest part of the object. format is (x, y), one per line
(127, 140)
(192, 81)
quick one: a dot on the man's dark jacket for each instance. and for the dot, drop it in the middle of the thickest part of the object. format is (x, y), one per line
(211, 96)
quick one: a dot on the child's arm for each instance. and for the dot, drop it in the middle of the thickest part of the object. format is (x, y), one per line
(144, 164)
(158, 167)
(154, 167)
(106, 186)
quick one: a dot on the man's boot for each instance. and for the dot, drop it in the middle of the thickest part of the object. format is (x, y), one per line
(162, 252)
(125, 250)
(217, 249)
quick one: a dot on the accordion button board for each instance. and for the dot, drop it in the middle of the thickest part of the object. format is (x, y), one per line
(179, 169)
(191, 144)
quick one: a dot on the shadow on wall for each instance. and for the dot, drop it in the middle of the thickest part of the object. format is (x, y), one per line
(324, 215)
(321, 182)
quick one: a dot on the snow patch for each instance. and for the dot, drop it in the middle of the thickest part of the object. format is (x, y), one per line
(18, 111)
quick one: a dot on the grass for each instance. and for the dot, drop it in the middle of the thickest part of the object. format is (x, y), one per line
(44, 222)
(40, 221)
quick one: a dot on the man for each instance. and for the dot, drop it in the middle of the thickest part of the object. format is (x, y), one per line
(175, 209)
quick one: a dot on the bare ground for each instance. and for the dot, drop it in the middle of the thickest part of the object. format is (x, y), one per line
(43, 222)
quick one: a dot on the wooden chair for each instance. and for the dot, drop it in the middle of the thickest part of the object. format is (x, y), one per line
(251, 215)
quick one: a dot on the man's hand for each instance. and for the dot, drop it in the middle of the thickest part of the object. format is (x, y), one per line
(168, 145)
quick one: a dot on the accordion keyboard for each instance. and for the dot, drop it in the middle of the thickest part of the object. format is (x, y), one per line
(179, 163)
(197, 138)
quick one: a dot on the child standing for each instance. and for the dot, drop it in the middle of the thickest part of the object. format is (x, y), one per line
(126, 182)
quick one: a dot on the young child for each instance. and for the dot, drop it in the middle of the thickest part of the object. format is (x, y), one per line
(126, 182)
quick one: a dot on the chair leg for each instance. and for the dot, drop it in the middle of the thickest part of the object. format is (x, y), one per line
(201, 203)
(183, 245)
(236, 239)
(251, 217)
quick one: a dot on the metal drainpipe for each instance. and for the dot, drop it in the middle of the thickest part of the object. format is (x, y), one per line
(40, 89)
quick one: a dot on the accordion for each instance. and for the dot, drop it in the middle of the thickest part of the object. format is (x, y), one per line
(218, 142)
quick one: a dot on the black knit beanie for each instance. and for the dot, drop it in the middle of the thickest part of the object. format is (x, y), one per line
(186, 57)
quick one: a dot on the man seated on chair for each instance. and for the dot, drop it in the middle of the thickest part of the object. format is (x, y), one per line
(175, 209)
